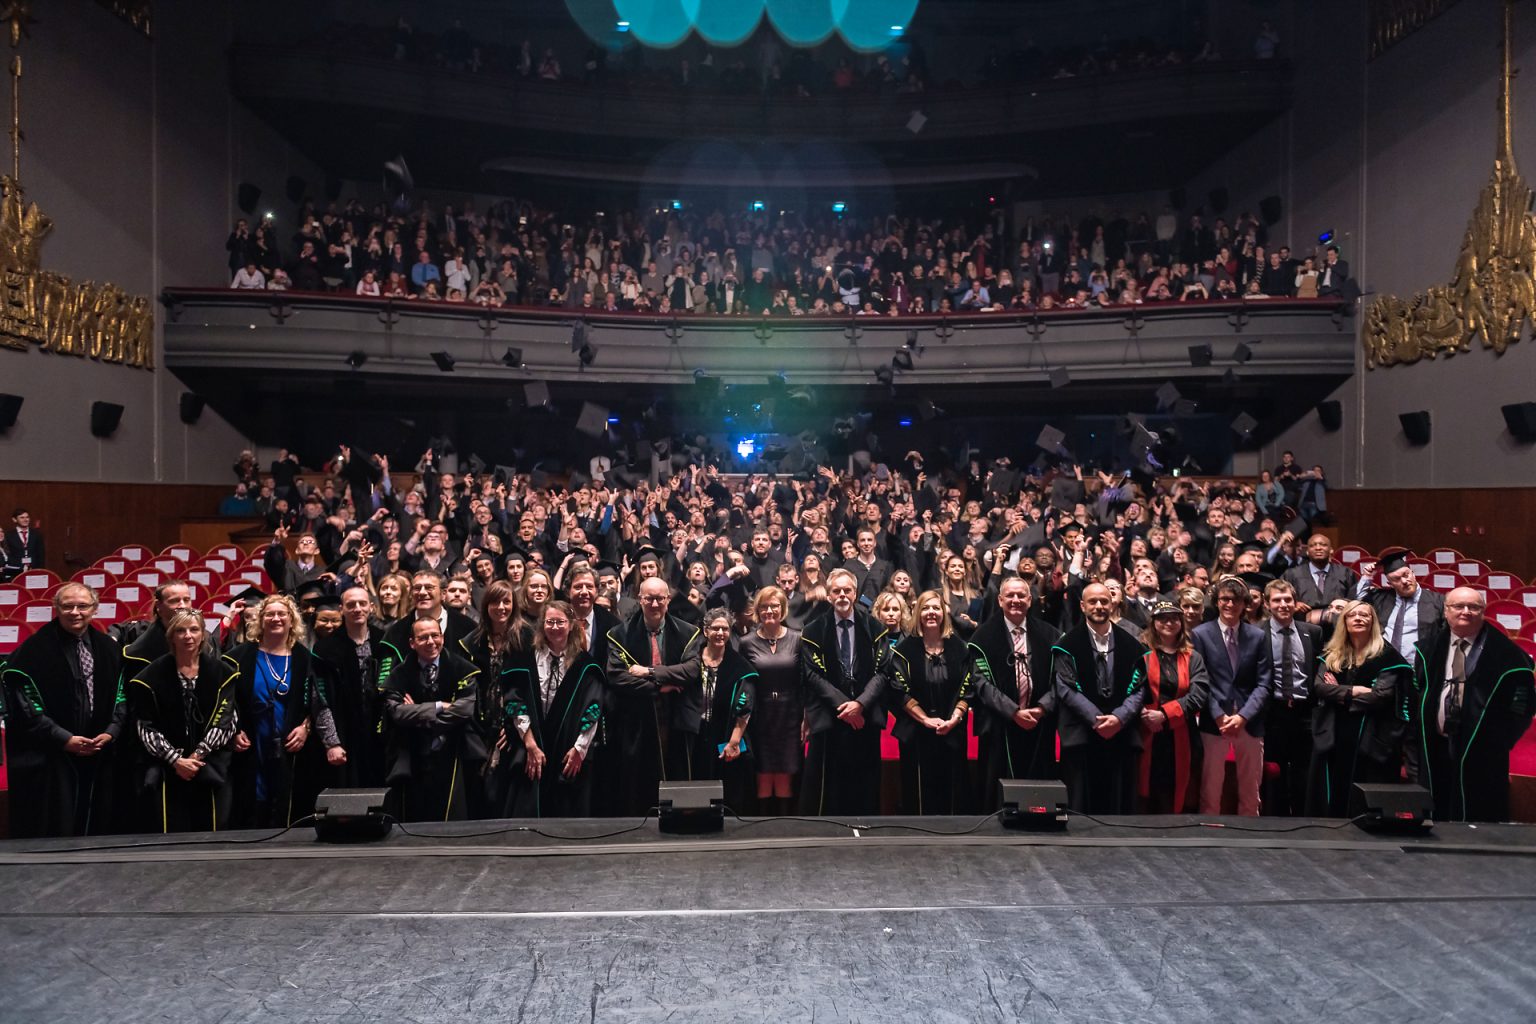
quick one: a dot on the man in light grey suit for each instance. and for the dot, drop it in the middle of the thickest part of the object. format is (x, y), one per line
(1237, 657)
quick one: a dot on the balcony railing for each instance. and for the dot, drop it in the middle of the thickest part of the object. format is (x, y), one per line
(219, 329)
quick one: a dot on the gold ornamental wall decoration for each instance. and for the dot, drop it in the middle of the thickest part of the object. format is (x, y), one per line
(1493, 294)
(42, 308)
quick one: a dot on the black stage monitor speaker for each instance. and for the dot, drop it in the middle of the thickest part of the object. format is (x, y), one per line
(10, 408)
(105, 416)
(1520, 418)
(351, 816)
(1416, 426)
(191, 407)
(689, 808)
(1330, 415)
(1391, 807)
(1033, 804)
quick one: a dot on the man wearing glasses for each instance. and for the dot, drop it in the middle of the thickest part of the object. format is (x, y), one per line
(1238, 661)
(1472, 701)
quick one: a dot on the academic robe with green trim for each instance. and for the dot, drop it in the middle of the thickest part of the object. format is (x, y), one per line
(429, 749)
(577, 705)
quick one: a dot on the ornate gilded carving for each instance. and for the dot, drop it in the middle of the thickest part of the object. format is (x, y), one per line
(1392, 21)
(1492, 296)
(39, 307)
(138, 13)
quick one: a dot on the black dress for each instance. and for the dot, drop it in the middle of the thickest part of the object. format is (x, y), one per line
(937, 685)
(774, 732)
(1355, 739)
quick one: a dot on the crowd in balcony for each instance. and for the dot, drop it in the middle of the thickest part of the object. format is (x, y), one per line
(668, 261)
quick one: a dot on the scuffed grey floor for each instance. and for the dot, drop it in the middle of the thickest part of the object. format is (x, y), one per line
(850, 932)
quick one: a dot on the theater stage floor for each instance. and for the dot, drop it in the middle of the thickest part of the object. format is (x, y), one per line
(784, 920)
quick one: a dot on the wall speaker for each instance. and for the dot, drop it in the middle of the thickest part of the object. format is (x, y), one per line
(1219, 199)
(295, 187)
(689, 808)
(1415, 426)
(1033, 804)
(105, 416)
(1177, 198)
(1520, 418)
(1391, 807)
(191, 407)
(247, 196)
(351, 816)
(1269, 209)
(10, 408)
(332, 187)
(1330, 415)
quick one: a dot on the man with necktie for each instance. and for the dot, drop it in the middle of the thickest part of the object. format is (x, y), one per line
(844, 709)
(1238, 660)
(1100, 687)
(1472, 700)
(429, 700)
(23, 546)
(1293, 651)
(1016, 733)
(1319, 581)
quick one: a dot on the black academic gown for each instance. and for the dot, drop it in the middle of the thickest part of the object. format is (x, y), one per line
(201, 804)
(293, 780)
(428, 750)
(397, 641)
(632, 765)
(487, 788)
(1355, 739)
(1467, 772)
(932, 766)
(1006, 749)
(842, 765)
(350, 688)
(55, 793)
(1100, 773)
(577, 705)
(698, 742)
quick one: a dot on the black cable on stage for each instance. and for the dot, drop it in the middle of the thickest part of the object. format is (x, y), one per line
(748, 822)
(523, 828)
(1218, 824)
(306, 820)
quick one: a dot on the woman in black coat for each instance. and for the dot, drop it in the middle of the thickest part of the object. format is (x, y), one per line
(931, 679)
(1359, 694)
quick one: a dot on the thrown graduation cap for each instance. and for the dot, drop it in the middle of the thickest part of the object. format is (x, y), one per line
(1200, 355)
(593, 420)
(1050, 439)
(397, 176)
(536, 394)
(1060, 378)
(1242, 353)
(1167, 395)
(1243, 425)
(928, 410)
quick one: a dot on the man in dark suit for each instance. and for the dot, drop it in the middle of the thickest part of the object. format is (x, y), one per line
(23, 546)
(64, 699)
(1319, 582)
(1472, 700)
(1016, 734)
(1407, 612)
(1334, 276)
(429, 701)
(1237, 658)
(843, 708)
(1293, 649)
(872, 573)
(633, 759)
(1096, 674)
(427, 597)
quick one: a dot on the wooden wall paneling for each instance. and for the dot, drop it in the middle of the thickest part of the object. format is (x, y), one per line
(1494, 525)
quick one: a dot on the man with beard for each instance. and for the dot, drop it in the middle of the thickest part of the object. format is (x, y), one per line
(348, 667)
(1099, 689)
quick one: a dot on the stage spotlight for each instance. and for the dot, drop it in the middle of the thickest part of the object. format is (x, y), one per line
(578, 335)
(902, 360)
(356, 358)
(689, 808)
(444, 361)
(587, 354)
(512, 357)
(884, 374)
(1242, 353)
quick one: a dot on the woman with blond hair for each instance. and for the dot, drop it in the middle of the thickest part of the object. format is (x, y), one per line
(1177, 687)
(184, 710)
(1359, 692)
(930, 677)
(772, 649)
(393, 597)
(284, 721)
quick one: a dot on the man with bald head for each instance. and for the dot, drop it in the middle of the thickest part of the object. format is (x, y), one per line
(64, 700)
(1096, 670)
(1472, 700)
(637, 712)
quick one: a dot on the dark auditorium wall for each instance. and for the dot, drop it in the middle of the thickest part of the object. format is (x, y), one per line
(129, 149)
(1391, 156)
